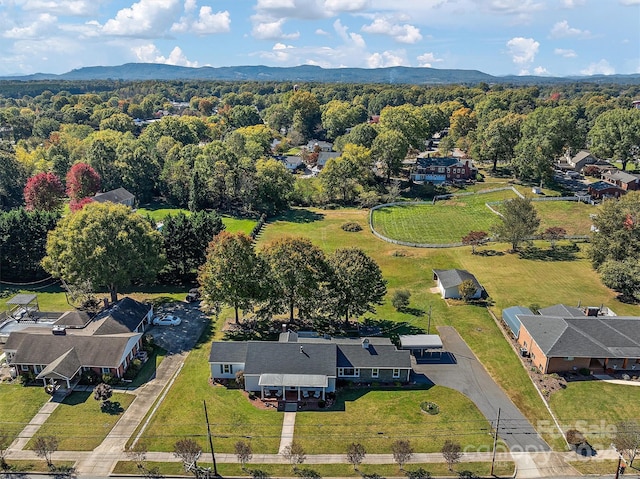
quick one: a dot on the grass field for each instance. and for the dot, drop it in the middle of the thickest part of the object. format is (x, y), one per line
(502, 469)
(442, 223)
(78, 422)
(393, 415)
(18, 404)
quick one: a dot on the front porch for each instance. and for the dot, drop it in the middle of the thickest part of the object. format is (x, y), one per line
(293, 387)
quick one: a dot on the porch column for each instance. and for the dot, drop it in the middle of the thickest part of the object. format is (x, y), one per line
(624, 363)
(323, 388)
(284, 393)
(262, 392)
(68, 384)
(605, 362)
(298, 393)
(44, 382)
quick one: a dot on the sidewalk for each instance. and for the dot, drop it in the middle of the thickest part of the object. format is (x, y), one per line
(38, 420)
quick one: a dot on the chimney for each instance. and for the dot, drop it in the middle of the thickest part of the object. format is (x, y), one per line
(365, 343)
(301, 350)
(284, 328)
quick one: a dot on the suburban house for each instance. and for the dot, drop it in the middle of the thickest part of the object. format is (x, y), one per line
(564, 338)
(626, 181)
(601, 189)
(119, 195)
(61, 350)
(449, 281)
(439, 170)
(291, 162)
(578, 161)
(302, 365)
(319, 145)
(323, 157)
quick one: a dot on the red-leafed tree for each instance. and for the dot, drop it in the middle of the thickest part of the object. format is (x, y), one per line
(44, 192)
(475, 238)
(82, 181)
(77, 205)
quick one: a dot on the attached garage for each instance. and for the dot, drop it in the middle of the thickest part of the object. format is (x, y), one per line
(510, 317)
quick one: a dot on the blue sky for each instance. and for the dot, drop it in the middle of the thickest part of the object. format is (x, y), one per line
(500, 37)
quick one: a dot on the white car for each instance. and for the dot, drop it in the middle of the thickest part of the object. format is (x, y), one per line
(167, 320)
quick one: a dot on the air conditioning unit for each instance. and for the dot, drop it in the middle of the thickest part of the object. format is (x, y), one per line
(524, 352)
(59, 330)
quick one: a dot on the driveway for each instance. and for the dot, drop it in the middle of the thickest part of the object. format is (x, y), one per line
(464, 373)
(176, 339)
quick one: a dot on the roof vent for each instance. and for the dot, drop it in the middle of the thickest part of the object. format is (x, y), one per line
(365, 343)
(301, 350)
(59, 330)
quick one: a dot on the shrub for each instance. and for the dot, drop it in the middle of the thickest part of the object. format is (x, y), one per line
(430, 407)
(321, 404)
(89, 377)
(584, 371)
(400, 299)
(574, 437)
(109, 379)
(351, 227)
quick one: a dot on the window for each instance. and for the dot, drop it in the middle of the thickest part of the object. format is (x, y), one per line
(225, 368)
(569, 358)
(396, 373)
(349, 372)
(106, 370)
(24, 367)
(375, 372)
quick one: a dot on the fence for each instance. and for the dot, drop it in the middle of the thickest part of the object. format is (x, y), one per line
(488, 205)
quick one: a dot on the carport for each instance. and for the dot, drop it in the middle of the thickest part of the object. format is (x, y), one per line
(421, 344)
(23, 304)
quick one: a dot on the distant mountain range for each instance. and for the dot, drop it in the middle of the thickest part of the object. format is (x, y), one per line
(309, 73)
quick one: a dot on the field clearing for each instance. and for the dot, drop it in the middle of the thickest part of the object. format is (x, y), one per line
(394, 415)
(442, 223)
(573, 216)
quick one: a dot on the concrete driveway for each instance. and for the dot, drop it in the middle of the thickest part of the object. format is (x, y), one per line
(464, 373)
(183, 337)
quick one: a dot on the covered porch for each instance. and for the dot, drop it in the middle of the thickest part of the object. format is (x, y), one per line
(293, 387)
(64, 371)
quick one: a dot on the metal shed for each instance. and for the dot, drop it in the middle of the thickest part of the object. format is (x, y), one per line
(510, 316)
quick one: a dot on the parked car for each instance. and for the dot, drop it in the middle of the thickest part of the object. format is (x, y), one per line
(167, 320)
(193, 295)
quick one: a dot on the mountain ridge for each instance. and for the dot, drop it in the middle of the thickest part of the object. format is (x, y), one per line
(307, 73)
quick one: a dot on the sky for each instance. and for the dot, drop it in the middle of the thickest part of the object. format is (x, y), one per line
(499, 37)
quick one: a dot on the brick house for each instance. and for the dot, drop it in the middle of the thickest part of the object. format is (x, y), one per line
(622, 179)
(439, 170)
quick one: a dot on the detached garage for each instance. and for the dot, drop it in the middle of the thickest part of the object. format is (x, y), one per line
(449, 281)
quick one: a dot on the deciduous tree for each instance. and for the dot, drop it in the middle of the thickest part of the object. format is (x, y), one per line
(467, 289)
(106, 244)
(294, 453)
(475, 238)
(189, 451)
(82, 182)
(45, 446)
(554, 234)
(400, 299)
(355, 454)
(357, 284)
(243, 452)
(232, 273)
(44, 192)
(390, 148)
(519, 220)
(452, 453)
(103, 392)
(298, 273)
(402, 452)
(627, 439)
(616, 135)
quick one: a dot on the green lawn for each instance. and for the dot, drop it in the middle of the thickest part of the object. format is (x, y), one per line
(238, 225)
(78, 422)
(502, 469)
(377, 418)
(444, 222)
(18, 404)
(596, 467)
(231, 415)
(148, 369)
(573, 216)
(25, 465)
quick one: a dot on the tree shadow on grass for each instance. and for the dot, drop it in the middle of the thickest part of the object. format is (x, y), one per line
(388, 328)
(559, 253)
(299, 216)
(417, 312)
(75, 398)
(489, 252)
(112, 408)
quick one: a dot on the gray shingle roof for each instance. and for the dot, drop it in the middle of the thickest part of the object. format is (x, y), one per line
(375, 356)
(65, 366)
(615, 337)
(621, 176)
(562, 311)
(123, 317)
(454, 277)
(287, 358)
(118, 195)
(228, 352)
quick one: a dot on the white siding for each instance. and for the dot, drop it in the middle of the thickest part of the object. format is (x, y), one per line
(218, 370)
(251, 383)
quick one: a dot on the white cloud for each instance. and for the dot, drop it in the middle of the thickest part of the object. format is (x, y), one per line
(511, 7)
(630, 2)
(190, 5)
(572, 3)
(565, 52)
(353, 38)
(44, 24)
(386, 59)
(272, 31)
(210, 22)
(320, 31)
(540, 71)
(77, 8)
(562, 29)
(146, 18)
(270, 10)
(401, 33)
(599, 68)
(149, 53)
(523, 50)
(427, 60)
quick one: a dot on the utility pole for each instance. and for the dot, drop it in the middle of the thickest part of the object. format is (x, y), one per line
(429, 323)
(213, 456)
(495, 442)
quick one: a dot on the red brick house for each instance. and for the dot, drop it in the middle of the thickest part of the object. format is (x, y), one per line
(439, 170)
(626, 181)
(602, 189)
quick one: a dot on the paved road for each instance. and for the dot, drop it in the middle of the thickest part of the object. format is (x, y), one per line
(468, 376)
